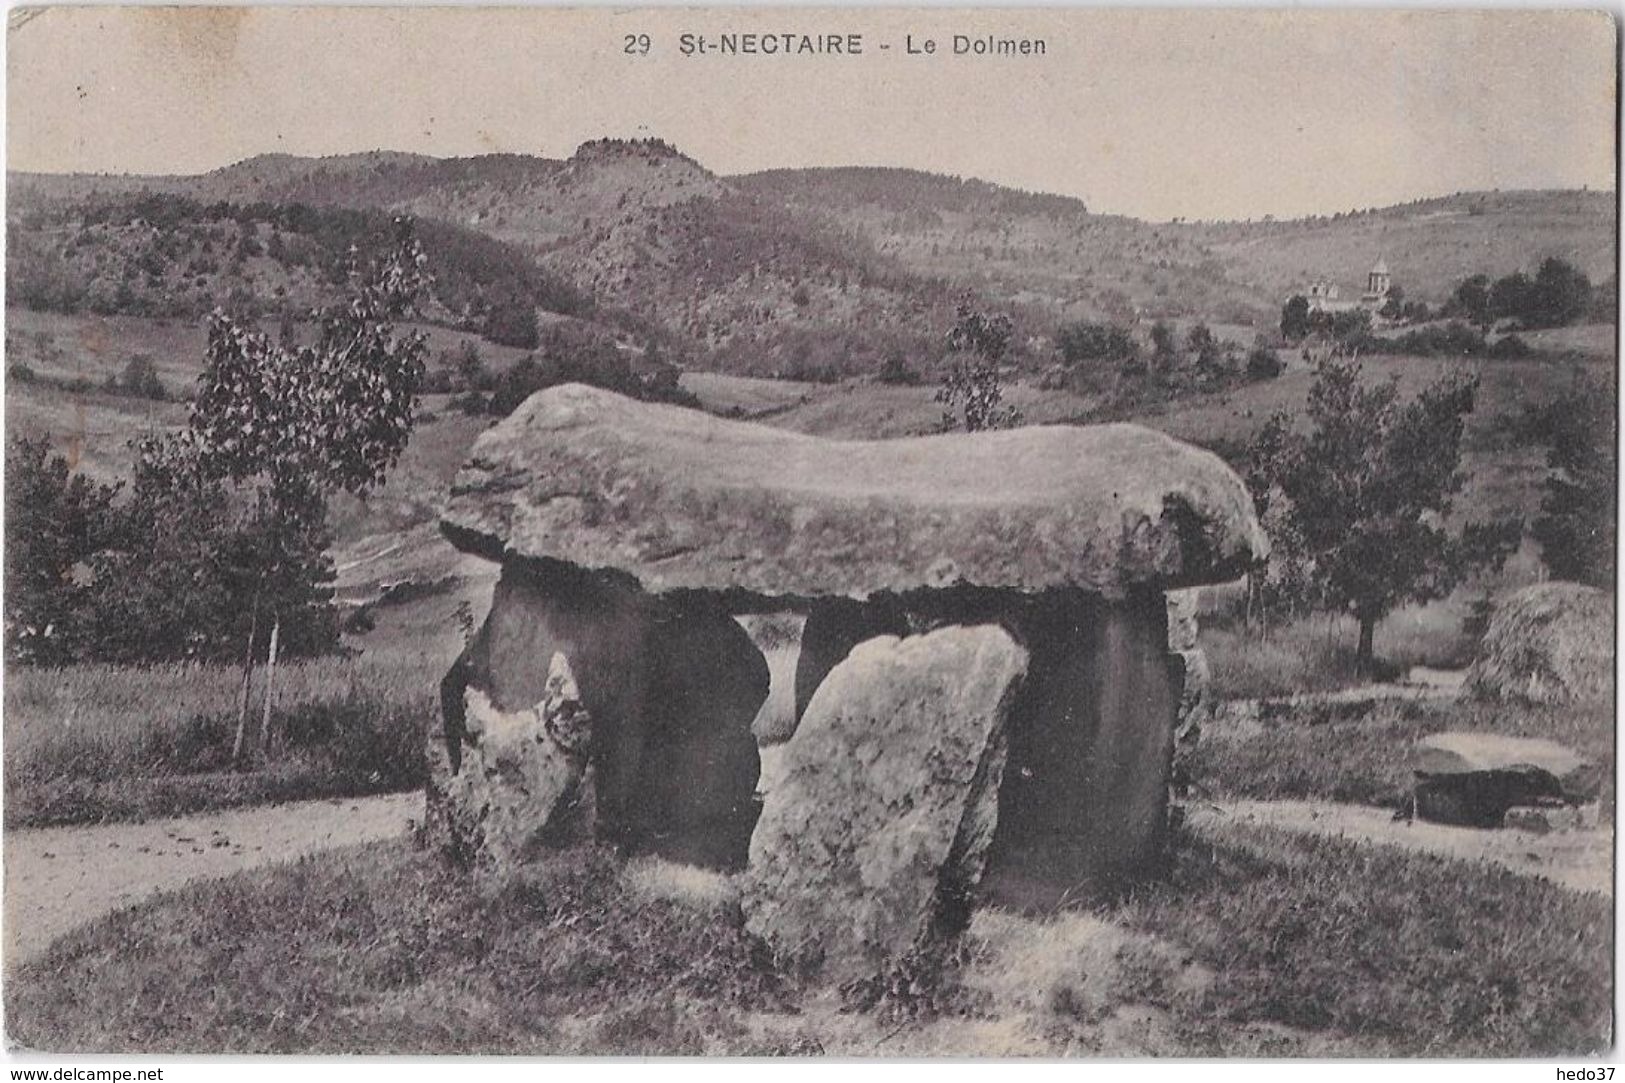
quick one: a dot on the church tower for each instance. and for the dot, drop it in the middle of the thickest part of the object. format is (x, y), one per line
(1377, 282)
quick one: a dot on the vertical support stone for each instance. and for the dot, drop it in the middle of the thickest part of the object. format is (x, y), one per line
(871, 848)
(834, 626)
(671, 687)
(1188, 669)
(1084, 805)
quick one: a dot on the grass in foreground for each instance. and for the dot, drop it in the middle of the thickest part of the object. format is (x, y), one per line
(95, 743)
(1361, 752)
(1260, 943)
(1419, 954)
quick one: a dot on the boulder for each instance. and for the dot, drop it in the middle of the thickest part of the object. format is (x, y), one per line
(670, 685)
(1552, 643)
(870, 847)
(682, 500)
(1473, 779)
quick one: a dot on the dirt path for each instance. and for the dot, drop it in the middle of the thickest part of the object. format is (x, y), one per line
(1582, 860)
(59, 877)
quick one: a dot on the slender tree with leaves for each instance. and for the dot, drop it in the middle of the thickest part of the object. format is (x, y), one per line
(971, 392)
(1368, 491)
(288, 426)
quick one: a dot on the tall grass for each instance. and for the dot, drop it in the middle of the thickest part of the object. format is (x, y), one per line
(1317, 654)
(99, 742)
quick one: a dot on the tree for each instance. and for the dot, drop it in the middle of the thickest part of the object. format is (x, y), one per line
(1512, 296)
(1576, 529)
(287, 426)
(1083, 341)
(1394, 307)
(1471, 301)
(1263, 363)
(972, 386)
(1368, 492)
(1163, 348)
(1295, 318)
(1560, 295)
(56, 520)
(512, 322)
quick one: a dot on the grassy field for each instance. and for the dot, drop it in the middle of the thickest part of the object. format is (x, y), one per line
(1260, 943)
(95, 743)
(1360, 752)
(1317, 653)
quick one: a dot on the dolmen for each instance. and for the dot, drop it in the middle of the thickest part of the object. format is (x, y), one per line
(997, 661)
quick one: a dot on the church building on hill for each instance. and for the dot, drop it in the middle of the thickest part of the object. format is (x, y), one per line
(1322, 293)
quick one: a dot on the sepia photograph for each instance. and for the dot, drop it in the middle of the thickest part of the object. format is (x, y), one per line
(810, 532)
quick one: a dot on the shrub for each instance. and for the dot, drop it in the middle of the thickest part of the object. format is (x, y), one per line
(1263, 364)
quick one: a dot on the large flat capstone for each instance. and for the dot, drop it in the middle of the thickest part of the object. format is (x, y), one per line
(686, 501)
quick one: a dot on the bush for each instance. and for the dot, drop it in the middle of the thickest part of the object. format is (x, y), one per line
(512, 323)
(896, 372)
(1263, 363)
(140, 379)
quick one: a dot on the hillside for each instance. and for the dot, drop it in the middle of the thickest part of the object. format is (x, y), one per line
(804, 273)
(1053, 252)
(633, 227)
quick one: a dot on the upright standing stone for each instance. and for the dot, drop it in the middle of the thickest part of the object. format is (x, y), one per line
(873, 842)
(1091, 740)
(671, 686)
(833, 628)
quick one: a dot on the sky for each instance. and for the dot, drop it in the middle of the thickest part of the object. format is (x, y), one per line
(1151, 113)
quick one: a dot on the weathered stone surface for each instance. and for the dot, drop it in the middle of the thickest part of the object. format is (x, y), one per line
(1472, 778)
(1085, 797)
(1456, 752)
(521, 771)
(1183, 607)
(1544, 819)
(834, 626)
(1551, 643)
(872, 843)
(680, 499)
(671, 686)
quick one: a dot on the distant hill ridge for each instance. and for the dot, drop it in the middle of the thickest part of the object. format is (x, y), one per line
(819, 272)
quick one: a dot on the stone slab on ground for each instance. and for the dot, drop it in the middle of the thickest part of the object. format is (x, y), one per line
(1455, 752)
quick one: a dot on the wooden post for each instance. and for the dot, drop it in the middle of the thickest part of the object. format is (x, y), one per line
(270, 685)
(248, 673)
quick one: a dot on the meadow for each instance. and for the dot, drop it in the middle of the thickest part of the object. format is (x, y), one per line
(92, 743)
(1257, 943)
